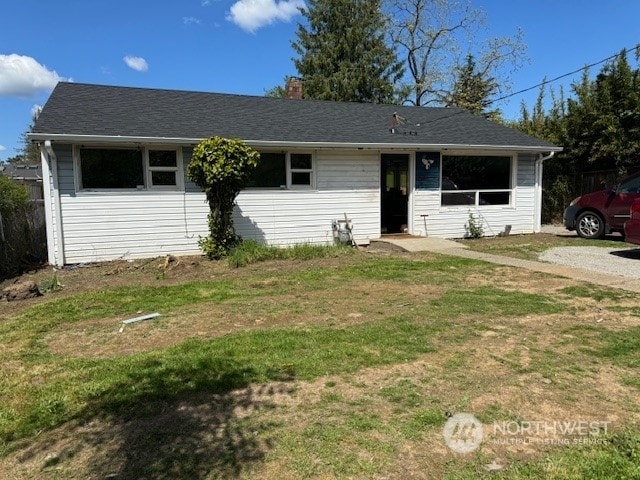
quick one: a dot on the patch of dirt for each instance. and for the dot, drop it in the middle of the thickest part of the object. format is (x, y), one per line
(101, 338)
(527, 368)
(188, 439)
(498, 375)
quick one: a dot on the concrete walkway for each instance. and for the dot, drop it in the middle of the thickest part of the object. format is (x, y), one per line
(449, 247)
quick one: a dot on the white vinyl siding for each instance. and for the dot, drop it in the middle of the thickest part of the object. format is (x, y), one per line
(100, 226)
(346, 182)
(136, 224)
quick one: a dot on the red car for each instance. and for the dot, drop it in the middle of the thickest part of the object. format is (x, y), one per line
(632, 227)
(595, 214)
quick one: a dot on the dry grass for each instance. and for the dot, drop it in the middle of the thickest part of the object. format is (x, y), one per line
(377, 414)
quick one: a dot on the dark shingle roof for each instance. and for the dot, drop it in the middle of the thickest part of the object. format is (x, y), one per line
(22, 172)
(95, 110)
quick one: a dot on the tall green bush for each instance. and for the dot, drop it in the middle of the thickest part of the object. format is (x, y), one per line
(221, 167)
(14, 230)
(12, 196)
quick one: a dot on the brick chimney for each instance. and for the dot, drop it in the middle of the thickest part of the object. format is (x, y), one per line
(293, 88)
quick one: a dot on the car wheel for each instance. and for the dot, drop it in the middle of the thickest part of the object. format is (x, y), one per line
(590, 225)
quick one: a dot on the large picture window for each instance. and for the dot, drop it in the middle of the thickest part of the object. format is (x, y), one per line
(476, 180)
(271, 171)
(102, 168)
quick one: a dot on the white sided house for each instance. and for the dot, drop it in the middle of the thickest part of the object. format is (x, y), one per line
(114, 162)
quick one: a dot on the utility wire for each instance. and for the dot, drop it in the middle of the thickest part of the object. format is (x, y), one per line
(560, 77)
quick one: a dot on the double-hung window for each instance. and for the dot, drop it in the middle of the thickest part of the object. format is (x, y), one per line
(162, 169)
(300, 170)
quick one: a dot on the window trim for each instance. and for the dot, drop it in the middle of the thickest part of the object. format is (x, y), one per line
(513, 180)
(146, 169)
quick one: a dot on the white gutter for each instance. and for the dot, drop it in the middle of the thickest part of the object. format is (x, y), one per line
(55, 245)
(537, 194)
(108, 139)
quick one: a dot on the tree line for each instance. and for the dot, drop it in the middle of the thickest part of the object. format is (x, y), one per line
(598, 125)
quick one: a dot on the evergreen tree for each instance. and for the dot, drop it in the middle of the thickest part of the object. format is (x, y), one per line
(599, 128)
(603, 120)
(472, 90)
(30, 152)
(342, 52)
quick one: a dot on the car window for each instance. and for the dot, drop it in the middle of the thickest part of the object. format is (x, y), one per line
(631, 185)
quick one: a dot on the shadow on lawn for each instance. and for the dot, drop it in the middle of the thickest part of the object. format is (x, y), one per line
(173, 421)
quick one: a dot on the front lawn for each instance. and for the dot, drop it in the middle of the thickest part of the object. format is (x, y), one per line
(346, 366)
(529, 247)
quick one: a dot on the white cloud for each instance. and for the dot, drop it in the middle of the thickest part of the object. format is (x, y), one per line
(138, 64)
(250, 15)
(206, 3)
(22, 76)
(191, 21)
(2, 148)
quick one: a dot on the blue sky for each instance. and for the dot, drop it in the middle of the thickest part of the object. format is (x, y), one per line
(244, 46)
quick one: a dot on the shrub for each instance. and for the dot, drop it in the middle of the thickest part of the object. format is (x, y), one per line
(221, 167)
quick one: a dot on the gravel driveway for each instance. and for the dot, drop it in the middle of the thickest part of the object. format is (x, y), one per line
(622, 261)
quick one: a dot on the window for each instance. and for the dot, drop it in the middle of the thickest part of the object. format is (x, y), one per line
(301, 170)
(283, 170)
(128, 168)
(163, 168)
(111, 168)
(271, 171)
(476, 180)
(632, 185)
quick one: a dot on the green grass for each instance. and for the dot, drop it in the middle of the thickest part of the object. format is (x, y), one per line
(529, 247)
(621, 347)
(596, 293)
(137, 384)
(357, 435)
(489, 300)
(614, 457)
(119, 302)
(250, 251)
(84, 388)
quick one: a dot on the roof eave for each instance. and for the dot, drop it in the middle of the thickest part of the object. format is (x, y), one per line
(110, 139)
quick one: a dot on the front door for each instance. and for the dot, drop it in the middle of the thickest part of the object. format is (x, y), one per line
(395, 193)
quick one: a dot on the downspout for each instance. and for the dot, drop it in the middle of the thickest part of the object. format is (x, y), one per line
(50, 170)
(538, 169)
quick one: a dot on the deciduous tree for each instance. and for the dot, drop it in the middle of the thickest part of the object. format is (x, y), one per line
(429, 36)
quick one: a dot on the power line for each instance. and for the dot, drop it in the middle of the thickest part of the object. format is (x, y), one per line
(560, 77)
